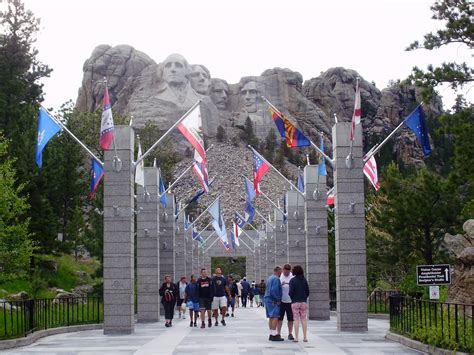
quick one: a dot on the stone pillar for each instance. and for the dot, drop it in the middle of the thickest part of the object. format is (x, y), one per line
(270, 250)
(351, 273)
(179, 251)
(119, 236)
(188, 250)
(166, 237)
(295, 230)
(281, 241)
(317, 252)
(148, 253)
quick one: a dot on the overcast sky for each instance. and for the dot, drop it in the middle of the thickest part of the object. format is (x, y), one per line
(236, 38)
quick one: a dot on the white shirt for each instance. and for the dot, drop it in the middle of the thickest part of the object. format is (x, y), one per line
(285, 285)
(182, 287)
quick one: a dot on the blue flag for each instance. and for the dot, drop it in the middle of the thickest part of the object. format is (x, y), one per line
(300, 182)
(163, 199)
(97, 173)
(200, 193)
(197, 236)
(186, 221)
(232, 240)
(47, 128)
(239, 220)
(322, 165)
(250, 197)
(416, 122)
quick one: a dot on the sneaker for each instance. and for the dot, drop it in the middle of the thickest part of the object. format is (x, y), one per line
(290, 337)
(203, 325)
(195, 324)
(277, 338)
(167, 325)
(223, 322)
(209, 323)
(216, 324)
(232, 314)
(184, 317)
(270, 337)
(227, 315)
(191, 323)
(179, 315)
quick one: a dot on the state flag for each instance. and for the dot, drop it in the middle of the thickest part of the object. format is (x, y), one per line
(106, 123)
(260, 167)
(416, 122)
(97, 173)
(47, 129)
(356, 116)
(140, 169)
(191, 128)
(293, 136)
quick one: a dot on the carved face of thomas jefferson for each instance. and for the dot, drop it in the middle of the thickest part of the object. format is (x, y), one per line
(175, 68)
(200, 79)
(248, 95)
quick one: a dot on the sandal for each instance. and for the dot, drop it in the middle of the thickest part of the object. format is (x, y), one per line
(305, 340)
(295, 340)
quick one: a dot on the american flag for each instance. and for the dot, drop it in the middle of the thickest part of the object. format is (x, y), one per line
(260, 167)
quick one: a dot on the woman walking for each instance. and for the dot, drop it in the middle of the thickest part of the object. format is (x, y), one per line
(299, 293)
(168, 293)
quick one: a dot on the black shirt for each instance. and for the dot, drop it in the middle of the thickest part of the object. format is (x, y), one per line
(204, 287)
(219, 285)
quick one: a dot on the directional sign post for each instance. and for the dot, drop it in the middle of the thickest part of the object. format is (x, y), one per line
(427, 275)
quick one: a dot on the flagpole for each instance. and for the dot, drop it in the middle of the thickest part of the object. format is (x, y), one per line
(205, 229)
(255, 229)
(310, 141)
(260, 214)
(183, 173)
(205, 210)
(349, 157)
(241, 240)
(168, 131)
(184, 208)
(283, 176)
(273, 203)
(214, 242)
(73, 136)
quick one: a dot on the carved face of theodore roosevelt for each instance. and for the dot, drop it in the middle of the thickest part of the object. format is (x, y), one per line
(219, 93)
(175, 69)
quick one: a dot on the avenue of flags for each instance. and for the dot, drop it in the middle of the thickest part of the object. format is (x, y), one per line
(190, 126)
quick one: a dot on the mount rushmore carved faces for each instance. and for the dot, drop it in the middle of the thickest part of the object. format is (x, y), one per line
(200, 79)
(220, 93)
(248, 96)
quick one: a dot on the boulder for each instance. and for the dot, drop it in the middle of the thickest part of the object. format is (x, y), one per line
(20, 296)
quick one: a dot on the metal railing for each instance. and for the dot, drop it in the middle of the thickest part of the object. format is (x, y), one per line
(20, 318)
(377, 301)
(441, 324)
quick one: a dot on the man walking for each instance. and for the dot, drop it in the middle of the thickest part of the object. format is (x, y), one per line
(245, 292)
(191, 298)
(285, 306)
(261, 288)
(234, 294)
(272, 300)
(181, 287)
(219, 301)
(204, 287)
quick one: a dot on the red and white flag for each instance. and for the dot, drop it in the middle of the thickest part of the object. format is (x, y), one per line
(200, 169)
(357, 112)
(107, 123)
(331, 196)
(370, 170)
(191, 128)
(236, 230)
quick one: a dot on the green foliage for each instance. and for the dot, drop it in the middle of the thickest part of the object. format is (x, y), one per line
(16, 246)
(229, 265)
(248, 134)
(408, 219)
(459, 28)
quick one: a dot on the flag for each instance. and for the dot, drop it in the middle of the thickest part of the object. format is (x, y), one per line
(139, 169)
(294, 137)
(232, 240)
(331, 197)
(300, 182)
(416, 122)
(97, 173)
(357, 112)
(199, 168)
(215, 211)
(163, 198)
(250, 197)
(186, 221)
(220, 229)
(196, 236)
(47, 129)
(191, 128)
(370, 170)
(322, 164)
(236, 230)
(106, 123)
(226, 245)
(285, 213)
(201, 192)
(260, 167)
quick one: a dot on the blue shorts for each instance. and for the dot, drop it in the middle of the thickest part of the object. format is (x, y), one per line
(272, 309)
(193, 306)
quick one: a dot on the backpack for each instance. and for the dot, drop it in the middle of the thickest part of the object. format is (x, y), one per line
(169, 297)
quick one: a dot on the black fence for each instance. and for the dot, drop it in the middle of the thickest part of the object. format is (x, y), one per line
(377, 301)
(444, 325)
(20, 318)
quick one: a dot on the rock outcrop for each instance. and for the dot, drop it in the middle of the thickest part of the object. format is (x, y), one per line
(462, 288)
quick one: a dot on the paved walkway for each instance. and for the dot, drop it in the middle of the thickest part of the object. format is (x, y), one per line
(245, 334)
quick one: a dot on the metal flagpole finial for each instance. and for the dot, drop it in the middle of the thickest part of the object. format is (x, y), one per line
(307, 159)
(117, 163)
(154, 162)
(131, 121)
(335, 117)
